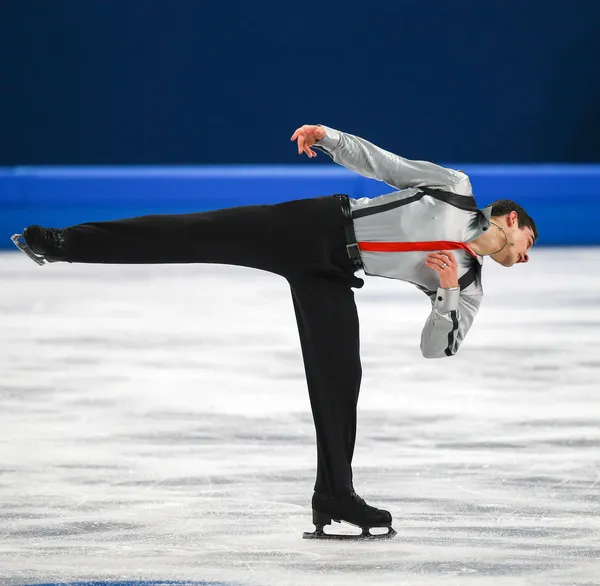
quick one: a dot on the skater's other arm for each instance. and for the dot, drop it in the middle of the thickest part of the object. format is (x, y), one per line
(448, 323)
(363, 157)
(452, 312)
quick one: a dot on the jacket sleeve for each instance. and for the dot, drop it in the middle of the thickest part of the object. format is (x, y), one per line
(450, 319)
(363, 157)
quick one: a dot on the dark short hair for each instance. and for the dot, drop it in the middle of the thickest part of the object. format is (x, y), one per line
(505, 206)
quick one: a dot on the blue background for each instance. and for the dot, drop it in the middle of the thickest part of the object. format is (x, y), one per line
(193, 81)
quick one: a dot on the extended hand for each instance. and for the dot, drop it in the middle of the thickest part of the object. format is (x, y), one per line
(307, 135)
(445, 264)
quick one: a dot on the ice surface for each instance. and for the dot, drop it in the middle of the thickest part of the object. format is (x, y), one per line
(155, 424)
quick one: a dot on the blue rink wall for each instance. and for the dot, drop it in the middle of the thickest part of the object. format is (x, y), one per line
(564, 200)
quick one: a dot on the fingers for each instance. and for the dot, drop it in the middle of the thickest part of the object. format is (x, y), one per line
(305, 141)
(304, 145)
(443, 257)
(433, 265)
(444, 263)
(447, 255)
(299, 132)
(436, 262)
(440, 261)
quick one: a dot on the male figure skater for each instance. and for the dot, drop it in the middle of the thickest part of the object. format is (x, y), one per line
(428, 232)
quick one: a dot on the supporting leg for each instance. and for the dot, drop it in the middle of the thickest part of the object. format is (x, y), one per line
(329, 335)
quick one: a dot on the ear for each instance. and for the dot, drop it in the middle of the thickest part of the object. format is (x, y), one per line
(512, 219)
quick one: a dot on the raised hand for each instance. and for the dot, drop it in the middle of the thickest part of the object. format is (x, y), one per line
(306, 136)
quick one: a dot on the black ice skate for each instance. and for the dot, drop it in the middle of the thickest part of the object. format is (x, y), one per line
(353, 510)
(42, 245)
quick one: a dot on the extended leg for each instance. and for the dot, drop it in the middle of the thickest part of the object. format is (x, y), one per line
(241, 236)
(289, 239)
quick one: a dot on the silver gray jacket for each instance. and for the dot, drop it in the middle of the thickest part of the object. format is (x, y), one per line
(434, 204)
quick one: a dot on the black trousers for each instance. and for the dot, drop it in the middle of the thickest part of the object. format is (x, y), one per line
(304, 242)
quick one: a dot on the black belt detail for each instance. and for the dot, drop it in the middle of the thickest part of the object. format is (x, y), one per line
(351, 243)
(463, 202)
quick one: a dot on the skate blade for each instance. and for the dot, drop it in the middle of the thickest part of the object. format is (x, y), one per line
(366, 535)
(19, 242)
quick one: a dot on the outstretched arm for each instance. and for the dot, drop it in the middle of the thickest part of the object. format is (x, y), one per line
(363, 157)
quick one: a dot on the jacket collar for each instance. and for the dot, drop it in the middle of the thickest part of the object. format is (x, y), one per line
(487, 213)
(485, 217)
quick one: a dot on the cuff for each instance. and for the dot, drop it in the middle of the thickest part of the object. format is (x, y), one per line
(331, 139)
(446, 300)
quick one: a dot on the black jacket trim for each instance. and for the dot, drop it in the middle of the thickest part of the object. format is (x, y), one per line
(470, 276)
(454, 317)
(462, 202)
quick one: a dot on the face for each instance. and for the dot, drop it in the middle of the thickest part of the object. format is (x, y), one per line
(521, 239)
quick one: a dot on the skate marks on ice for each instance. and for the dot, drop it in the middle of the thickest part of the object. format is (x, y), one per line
(147, 583)
(137, 583)
(155, 425)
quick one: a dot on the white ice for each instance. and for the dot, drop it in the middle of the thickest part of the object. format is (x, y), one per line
(155, 424)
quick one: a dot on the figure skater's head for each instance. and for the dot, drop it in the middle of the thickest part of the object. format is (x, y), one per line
(517, 231)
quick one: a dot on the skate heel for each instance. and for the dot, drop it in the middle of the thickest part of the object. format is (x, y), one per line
(321, 519)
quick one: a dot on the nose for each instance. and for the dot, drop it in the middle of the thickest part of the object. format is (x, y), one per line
(525, 258)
